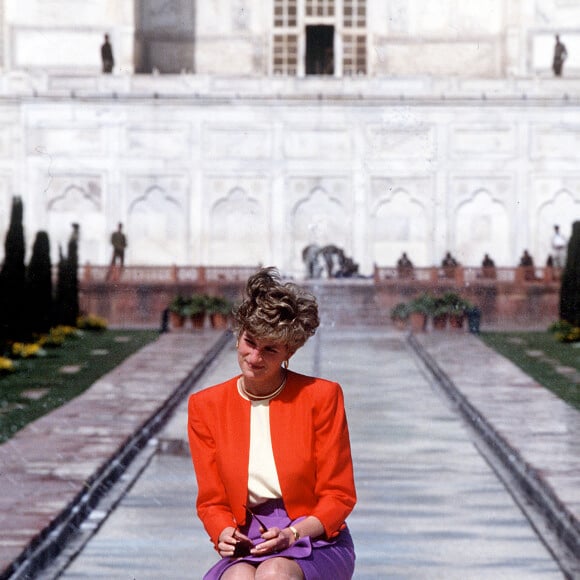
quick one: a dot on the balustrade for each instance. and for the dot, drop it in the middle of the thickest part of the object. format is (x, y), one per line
(138, 295)
(461, 275)
(129, 275)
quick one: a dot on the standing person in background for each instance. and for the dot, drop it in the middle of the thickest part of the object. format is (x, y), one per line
(271, 449)
(107, 56)
(559, 243)
(73, 243)
(119, 243)
(560, 55)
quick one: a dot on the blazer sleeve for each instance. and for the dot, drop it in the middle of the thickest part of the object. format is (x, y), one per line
(335, 487)
(312, 450)
(213, 507)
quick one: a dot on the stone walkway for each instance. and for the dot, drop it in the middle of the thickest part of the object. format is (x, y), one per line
(429, 506)
(53, 472)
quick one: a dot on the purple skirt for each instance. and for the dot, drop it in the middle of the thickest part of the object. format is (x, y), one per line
(318, 559)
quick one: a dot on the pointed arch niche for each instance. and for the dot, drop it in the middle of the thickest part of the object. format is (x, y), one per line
(563, 209)
(318, 219)
(238, 232)
(481, 226)
(399, 223)
(82, 198)
(156, 229)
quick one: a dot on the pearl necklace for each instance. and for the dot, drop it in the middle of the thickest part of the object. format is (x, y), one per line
(271, 395)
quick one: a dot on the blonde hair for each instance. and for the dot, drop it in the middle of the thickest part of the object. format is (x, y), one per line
(277, 311)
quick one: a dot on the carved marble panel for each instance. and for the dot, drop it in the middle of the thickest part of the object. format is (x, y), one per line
(555, 200)
(217, 187)
(483, 140)
(324, 143)
(299, 188)
(157, 219)
(400, 219)
(400, 142)
(239, 230)
(78, 141)
(555, 142)
(72, 192)
(166, 141)
(480, 220)
(76, 198)
(238, 219)
(249, 142)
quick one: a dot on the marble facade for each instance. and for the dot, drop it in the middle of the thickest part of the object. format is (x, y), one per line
(452, 141)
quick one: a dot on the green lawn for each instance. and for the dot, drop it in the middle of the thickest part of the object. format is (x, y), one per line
(539, 355)
(42, 384)
(39, 385)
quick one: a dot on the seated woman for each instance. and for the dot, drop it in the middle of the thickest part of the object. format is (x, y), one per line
(488, 267)
(527, 263)
(271, 449)
(404, 266)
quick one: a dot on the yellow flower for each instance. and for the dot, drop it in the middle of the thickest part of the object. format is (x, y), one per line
(92, 322)
(27, 350)
(6, 365)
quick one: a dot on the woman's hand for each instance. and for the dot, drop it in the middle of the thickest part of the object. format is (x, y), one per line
(275, 540)
(232, 542)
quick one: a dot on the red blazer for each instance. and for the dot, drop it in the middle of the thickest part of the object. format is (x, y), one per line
(311, 448)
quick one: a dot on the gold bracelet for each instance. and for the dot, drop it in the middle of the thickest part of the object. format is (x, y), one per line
(295, 532)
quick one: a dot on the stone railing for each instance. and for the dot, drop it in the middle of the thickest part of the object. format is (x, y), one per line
(461, 275)
(198, 275)
(165, 274)
(136, 296)
(193, 86)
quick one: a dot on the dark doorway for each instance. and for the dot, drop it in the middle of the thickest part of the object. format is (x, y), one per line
(320, 50)
(164, 36)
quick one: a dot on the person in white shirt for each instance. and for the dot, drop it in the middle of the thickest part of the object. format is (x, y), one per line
(559, 243)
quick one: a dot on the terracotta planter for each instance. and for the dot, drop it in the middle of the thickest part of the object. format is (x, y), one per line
(198, 320)
(418, 321)
(177, 320)
(456, 321)
(440, 322)
(218, 320)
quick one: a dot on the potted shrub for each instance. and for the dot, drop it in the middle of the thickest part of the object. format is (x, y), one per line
(457, 307)
(440, 313)
(177, 311)
(196, 310)
(420, 308)
(219, 308)
(400, 315)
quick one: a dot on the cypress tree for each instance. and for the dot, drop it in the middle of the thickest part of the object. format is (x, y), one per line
(12, 277)
(39, 286)
(570, 288)
(67, 296)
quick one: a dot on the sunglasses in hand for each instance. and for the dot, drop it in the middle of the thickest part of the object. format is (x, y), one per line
(243, 546)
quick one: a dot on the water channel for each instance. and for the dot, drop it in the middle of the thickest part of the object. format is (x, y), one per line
(429, 506)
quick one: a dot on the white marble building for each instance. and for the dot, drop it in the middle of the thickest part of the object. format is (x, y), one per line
(238, 132)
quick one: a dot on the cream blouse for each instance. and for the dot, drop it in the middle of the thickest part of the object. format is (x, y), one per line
(263, 483)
